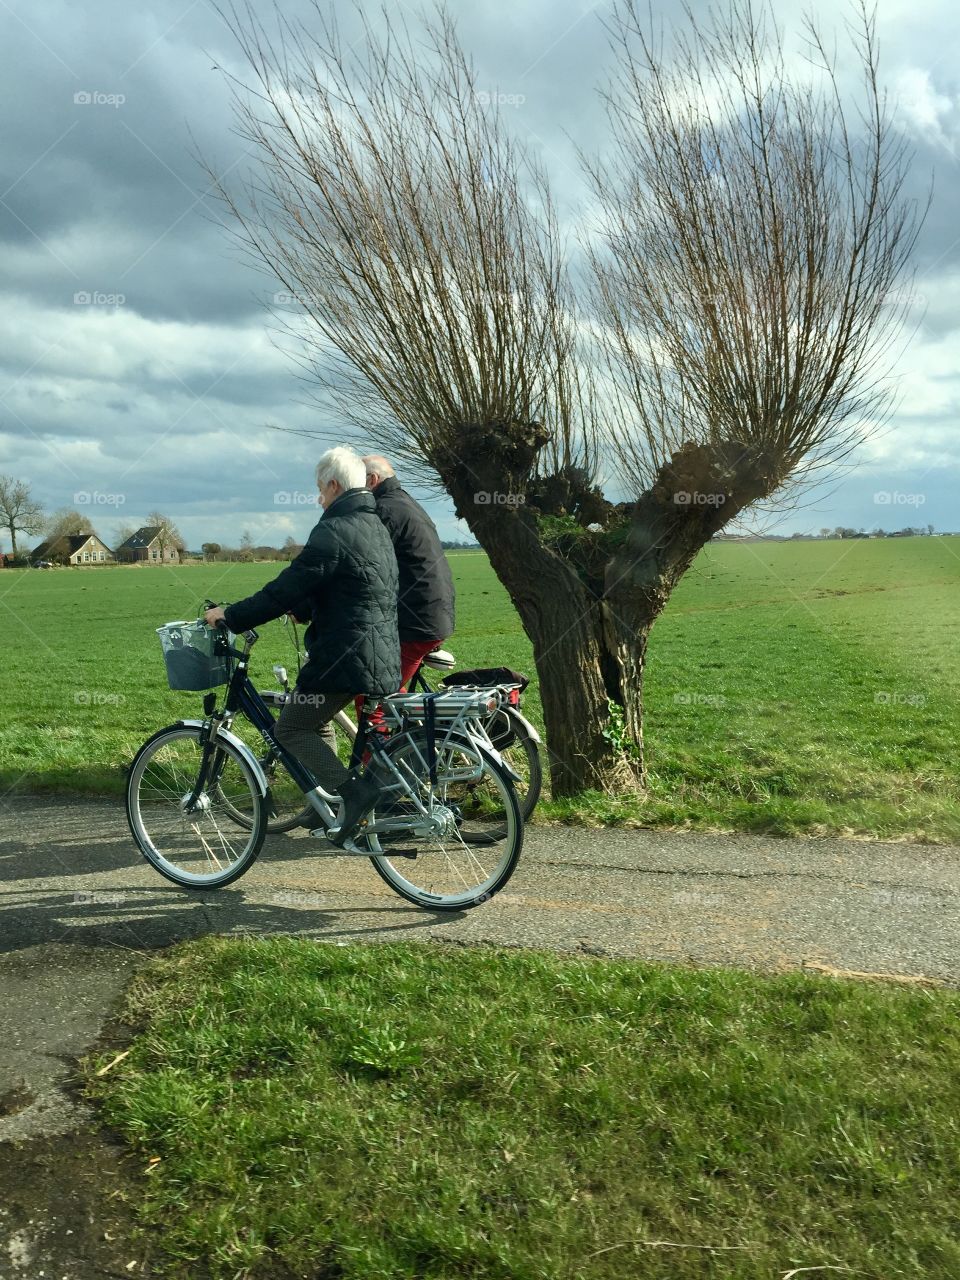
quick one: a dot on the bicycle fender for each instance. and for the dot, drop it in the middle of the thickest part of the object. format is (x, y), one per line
(241, 746)
(508, 769)
(534, 735)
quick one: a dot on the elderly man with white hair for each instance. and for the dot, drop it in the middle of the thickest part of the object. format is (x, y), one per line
(345, 578)
(425, 605)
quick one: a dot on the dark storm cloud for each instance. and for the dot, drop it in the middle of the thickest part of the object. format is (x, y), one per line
(160, 394)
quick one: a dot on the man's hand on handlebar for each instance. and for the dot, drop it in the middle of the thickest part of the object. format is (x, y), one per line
(214, 615)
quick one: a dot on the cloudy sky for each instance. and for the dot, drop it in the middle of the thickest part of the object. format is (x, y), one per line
(137, 369)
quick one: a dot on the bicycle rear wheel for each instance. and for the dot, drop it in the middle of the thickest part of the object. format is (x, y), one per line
(520, 754)
(198, 845)
(447, 870)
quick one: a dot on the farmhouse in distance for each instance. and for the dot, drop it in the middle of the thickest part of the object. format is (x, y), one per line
(73, 548)
(152, 544)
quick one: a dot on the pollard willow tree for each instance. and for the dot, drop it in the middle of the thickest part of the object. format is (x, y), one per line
(724, 336)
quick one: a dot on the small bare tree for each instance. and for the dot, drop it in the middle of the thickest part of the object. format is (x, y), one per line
(749, 244)
(168, 535)
(66, 522)
(18, 511)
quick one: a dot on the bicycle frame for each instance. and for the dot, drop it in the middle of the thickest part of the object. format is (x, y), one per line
(242, 697)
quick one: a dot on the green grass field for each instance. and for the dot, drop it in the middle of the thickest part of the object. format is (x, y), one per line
(791, 687)
(414, 1113)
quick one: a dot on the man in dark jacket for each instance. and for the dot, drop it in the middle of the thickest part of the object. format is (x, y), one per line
(346, 577)
(425, 603)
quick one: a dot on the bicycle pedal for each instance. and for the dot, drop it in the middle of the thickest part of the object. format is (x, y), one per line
(338, 851)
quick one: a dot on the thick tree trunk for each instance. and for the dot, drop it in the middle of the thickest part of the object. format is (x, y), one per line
(562, 622)
(696, 493)
(13, 542)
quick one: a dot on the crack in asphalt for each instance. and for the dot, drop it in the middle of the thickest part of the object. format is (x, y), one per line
(716, 874)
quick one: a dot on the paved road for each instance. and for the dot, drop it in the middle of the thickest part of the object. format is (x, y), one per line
(70, 874)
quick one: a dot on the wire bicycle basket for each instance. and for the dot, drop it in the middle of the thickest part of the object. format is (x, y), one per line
(196, 656)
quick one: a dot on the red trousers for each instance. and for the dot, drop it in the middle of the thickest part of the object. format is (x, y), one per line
(412, 653)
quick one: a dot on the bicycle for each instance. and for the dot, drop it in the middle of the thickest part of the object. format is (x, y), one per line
(196, 796)
(508, 732)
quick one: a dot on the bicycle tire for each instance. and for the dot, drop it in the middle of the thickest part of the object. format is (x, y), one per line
(522, 754)
(169, 823)
(439, 859)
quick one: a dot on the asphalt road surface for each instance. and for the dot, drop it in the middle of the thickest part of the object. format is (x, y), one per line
(70, 874)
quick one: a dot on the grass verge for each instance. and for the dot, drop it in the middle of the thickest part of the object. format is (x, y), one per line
(409, 1111)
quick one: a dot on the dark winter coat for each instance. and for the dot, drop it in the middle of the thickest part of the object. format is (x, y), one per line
(425, 606)
(346, 579)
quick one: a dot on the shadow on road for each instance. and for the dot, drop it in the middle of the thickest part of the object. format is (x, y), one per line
(70, 873)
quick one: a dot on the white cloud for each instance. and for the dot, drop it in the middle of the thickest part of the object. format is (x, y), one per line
(926, 113)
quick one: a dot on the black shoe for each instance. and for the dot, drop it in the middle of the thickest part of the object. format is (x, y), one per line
(359, 793)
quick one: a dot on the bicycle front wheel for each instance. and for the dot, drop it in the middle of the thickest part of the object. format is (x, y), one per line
(446, 870)
(195, 842)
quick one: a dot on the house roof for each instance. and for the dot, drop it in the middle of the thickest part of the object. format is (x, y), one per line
(65, 545)
(142, 538)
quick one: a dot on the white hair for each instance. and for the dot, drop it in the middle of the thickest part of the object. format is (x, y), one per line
(343, 465)
(377, 465)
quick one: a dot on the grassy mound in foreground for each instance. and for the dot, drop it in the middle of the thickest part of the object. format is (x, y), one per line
(407, 1111)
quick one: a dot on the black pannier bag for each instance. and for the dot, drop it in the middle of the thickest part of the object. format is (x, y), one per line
(486, 677)
(501, 732)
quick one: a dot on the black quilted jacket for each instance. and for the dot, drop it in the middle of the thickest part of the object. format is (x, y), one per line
(345, 578)
(426, 600)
